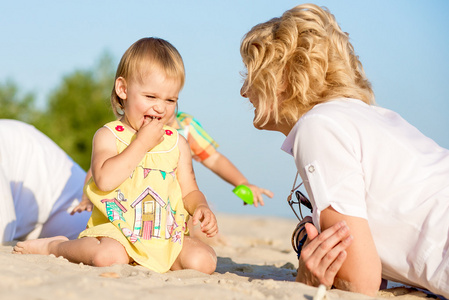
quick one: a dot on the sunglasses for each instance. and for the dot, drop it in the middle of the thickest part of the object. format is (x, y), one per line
(300, 199)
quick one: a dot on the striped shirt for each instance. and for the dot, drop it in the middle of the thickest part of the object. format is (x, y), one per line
(200, 142)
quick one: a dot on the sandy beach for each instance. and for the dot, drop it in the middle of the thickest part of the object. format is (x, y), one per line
(255, 261)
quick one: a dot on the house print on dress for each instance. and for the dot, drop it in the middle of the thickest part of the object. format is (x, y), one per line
(148, 208)
(114, 208)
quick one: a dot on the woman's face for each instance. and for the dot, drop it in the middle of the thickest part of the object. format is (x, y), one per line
(254, 101)
(267, 122)
(267, 114)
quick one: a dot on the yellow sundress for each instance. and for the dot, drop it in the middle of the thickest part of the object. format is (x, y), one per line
(145, 213)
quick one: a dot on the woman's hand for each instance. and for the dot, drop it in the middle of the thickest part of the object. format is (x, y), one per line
(323, 254)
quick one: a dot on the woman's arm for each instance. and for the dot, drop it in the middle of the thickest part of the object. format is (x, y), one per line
(323, 254)
(330, 164)
(361, 271)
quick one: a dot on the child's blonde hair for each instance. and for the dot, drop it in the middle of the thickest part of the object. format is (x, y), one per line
(305, 56)
(143, 57)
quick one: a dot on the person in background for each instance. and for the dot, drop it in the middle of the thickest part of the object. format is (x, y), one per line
(39, 186)
(204, 151)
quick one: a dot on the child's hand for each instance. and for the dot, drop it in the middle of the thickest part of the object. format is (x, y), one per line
(257, 194)
(151, 133)
(85, 204)
(207, 218)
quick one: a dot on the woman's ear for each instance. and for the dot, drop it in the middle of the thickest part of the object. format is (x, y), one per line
(121, 88)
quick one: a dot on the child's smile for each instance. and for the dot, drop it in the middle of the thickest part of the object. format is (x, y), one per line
(151, 97)
(153, 117)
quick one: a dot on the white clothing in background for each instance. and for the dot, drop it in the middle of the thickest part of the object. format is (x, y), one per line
(39, 183)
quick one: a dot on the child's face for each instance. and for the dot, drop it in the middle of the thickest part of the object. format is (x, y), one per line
(154, 97)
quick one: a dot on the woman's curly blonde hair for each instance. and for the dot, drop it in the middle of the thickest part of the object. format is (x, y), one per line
(144, 56)
(305, 57)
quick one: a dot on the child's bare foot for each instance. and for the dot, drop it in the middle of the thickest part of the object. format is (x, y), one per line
(39, 246)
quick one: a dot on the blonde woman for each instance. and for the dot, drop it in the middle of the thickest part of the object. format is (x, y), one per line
(362, 165)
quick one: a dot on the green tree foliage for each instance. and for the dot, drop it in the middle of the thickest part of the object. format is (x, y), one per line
(14, 105)
(77, 108)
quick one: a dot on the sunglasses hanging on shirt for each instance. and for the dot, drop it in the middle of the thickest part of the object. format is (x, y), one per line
(299, 235)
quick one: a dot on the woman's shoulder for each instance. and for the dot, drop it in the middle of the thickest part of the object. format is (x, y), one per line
(346, 118)
(338, 106)
(342, 111)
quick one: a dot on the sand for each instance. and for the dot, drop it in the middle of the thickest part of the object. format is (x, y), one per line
(255, 261)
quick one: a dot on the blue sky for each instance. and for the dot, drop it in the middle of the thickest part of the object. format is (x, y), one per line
(403, 45)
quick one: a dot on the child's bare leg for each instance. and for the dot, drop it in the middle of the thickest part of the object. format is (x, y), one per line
(196, 255)
(100, 252)
(39, 246)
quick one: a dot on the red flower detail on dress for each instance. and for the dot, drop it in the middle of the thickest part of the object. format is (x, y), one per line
(119, 128)
(168, 132)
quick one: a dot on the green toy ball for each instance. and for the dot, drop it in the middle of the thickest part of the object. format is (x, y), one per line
(244, 193)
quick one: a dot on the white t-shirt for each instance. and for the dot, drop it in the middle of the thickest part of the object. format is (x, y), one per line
(366, 161)
(39, 182)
